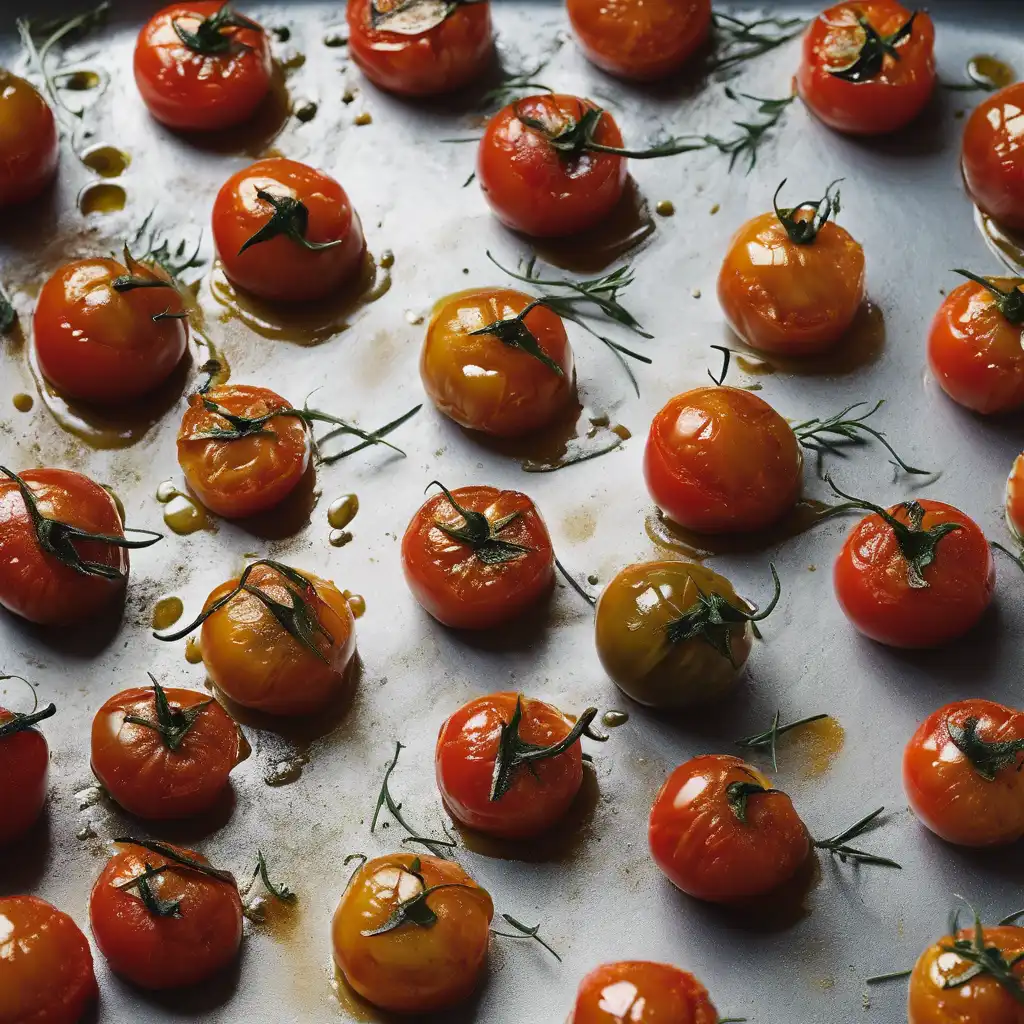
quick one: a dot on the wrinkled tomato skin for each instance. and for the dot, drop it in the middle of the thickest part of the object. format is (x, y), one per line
(786, 298)
(191, 91)
(281, 269)
(241, 477)
(976, 354)
(871, 582)
(412, 970)
(157, 953)
(134, 765)
(706, 851)
(24, 766)
(885, 103)
(945, 790)
(1015, 499)
(483, 384)
(640, 40)
(35, 584)
(533, 189)
(442, 59)
(993, 156)
(640, 992)
(46, 973)
(983, 1001)
(464, 765)
(29, 145)
(722, 460)
(453, 585)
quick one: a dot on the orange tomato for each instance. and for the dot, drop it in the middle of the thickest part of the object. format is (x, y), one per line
(304, 245)
(1015, 499)
(640, 992)
(29, 146)
(412, 968)
(24, 765)
(993, 156)
(852, 81)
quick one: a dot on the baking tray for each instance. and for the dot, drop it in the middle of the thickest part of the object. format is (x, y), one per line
(595, 890)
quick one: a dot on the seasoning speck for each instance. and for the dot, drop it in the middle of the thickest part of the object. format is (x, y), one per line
(714, 209)
(695, 293)
(413, 318)
(306, 111)
(364, 118)
(282, 33)
(387, 259)
(348, 96)
(336, 38)
(665, 208)
(86, 832)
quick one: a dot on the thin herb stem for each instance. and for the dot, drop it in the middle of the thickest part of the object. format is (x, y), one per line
(592, 601)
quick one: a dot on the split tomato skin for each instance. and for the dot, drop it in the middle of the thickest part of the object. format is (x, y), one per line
(993, 156)
(440, 60)
(46, 972)
(641, 992)
(29, 145)
(531, 187)
(722, 460)
(24, 767)
(871, 580)
(483, 384)
(1015, 499)
(190, 91)
(882, 104)
(247, 475)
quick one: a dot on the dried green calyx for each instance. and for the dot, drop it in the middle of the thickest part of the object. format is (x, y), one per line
(1010, 304)
(514, 333)
(987, 758)
(414, 910)
(480, 533)
(870, 59)
(739, 793)
(171, 724)
(804, 230)
(20, 723)
(981, 959)
(413, 17)
(290, 219)
(212, 36)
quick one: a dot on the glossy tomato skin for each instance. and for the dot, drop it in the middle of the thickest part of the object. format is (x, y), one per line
(706, 851)
(191, 91)
(164, 952)
(259, 665)
(871, 582)
(787, 298)
(29, 146)
(976, 354)
(640, 992)
(946, 791)
(453, 585)
(534, 189)
(464, 765)
(1015, 499)
(983, 1001)
(885, 103)
(722, 460)
(46, 974)
(281, 269)
(243, 476)
(100, 345)
(24, 766)
(412, 969)
(993, 156)
(440, 60)
(482, 383)
(35, 584)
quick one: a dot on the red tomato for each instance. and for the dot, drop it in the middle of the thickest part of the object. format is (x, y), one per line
(483, 570)
(165, 950)
(718, 843)
(895, 604)
(201, 66)
(858, 86)
(639, 992)
(534, 188)
(24, 765)
(722, 460)
(415, 56)
(29, 146)
(993, 156)
(1015, 499)
(313, 240)
(46, 974)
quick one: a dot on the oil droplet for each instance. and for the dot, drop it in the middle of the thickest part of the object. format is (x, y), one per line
(284, 773)
(593, 579)
(182, 514)
(166, 612)
(816, 746)
(613, 719)
(339, 538)
(305, 111)
(665, 208)
(165, 491)
(1006, 244)
(363, 119)
(79, 81)
(714, 209)
(193, 652)
(356, 603)
(102, 197)
(293, 60)
(387, 259)
(343, 511)
(989, 72)
(107, 161)
(88, 797)
(23, 402)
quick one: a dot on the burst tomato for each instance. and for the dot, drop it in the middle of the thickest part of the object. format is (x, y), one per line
(1015, 499)
(29, 146)
(410, 967)
(993, 156)
(286, 232)
(640, 992)
(24, 765)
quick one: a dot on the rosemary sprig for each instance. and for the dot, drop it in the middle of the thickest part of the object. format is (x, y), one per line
(982, 959)
(737, 40)
(1010, 304)
(480, 533)
(804, 230)
(385, 799)
(878, 979)
(767, 740)
(253, 909)
(524, 931)
(158, 250)
(290, 219)
(172, 724)
(212, 36)
(591, 600)
(21, 722)
(751, 133)
(839, 846)
(987, 758)
(871, 57)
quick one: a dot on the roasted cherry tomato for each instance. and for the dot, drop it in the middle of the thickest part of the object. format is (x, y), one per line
(201, 66)
(993, 156)
(286, 232)
(107, 331)
(962, 771)
(387, 950)
(24, 765)
(792, 280)
(46, 973)
(29, 147)
(976, 344)
(485, 384)
(420, 49)
(916, 575)
(1015, 499)
(868, 66)
(720, 832)
(541, 190)
(640, 992)
(722, 460)
(164, 753)
(165, 920)
(477, 557)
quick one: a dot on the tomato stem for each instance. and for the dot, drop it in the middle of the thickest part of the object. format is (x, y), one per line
(289, 219)
(982, 959)
(172, 724)
(988, 758)
(1010, 304)
(804, 230)
(870, 58)
(211, 38)
(480, 533)
(20, 723)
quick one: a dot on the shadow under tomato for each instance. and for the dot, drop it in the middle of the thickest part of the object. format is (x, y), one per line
(185, 831)
(289, 516)
(24, 864)
(358, 1009)
(84, 639)
(27, 225)
(196, 999)
(924, 137)
(980, 864)
(524, 633)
